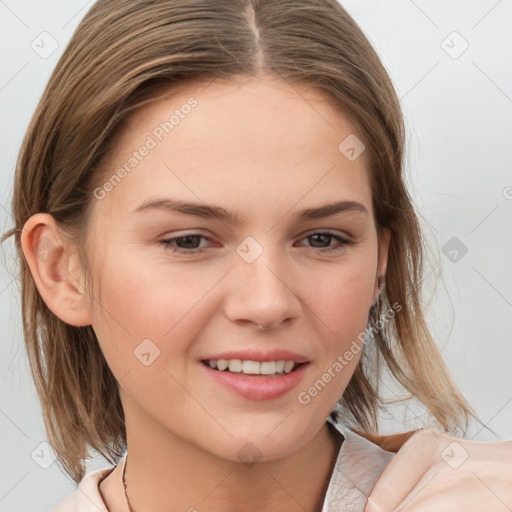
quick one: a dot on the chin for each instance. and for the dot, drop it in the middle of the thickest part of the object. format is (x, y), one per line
(261, 441)
(251, 451)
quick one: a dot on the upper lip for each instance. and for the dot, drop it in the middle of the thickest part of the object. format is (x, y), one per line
(260, 355)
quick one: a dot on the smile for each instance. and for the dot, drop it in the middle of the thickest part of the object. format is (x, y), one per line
(252, 367)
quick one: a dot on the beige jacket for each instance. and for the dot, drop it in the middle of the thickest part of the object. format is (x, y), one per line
(417, 471)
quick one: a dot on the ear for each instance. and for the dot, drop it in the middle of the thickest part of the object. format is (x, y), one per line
(56, 272)
(382, 261)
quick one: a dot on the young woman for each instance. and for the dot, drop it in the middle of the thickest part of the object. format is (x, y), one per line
(218, 255)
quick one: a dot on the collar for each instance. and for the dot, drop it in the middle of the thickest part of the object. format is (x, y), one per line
(358, 466)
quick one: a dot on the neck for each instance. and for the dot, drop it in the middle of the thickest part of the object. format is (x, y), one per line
(162, 470)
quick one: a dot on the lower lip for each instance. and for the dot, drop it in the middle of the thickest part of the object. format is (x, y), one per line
(258, 387)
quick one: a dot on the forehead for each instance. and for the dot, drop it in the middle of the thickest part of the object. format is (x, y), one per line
(245, 140)
(254, 102)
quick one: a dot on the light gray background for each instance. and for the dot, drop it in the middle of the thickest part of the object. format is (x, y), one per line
(458, 110)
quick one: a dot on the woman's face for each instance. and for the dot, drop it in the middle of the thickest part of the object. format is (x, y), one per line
(275, 285)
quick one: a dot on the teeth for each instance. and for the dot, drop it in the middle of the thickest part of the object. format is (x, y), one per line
(269, 367)
(222, 364)
(252, 367)
(235, 365)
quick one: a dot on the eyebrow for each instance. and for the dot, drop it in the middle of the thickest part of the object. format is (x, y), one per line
(233, 217)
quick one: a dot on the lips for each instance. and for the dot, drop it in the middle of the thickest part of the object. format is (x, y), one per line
(256, 375)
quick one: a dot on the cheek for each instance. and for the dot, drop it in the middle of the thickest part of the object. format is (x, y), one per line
(341, 299)
(137, 303)
(341, 302)
(126, 311)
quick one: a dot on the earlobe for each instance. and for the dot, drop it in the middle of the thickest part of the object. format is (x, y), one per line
(53, 270)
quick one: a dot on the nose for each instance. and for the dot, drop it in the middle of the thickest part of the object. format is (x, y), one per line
(262, 293)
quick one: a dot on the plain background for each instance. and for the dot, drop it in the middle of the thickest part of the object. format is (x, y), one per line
(458, 107)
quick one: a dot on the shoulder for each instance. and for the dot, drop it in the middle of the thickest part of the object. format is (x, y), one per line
(87, 497)
(433, 471)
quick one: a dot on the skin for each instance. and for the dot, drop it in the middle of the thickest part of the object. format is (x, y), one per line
(267, 150)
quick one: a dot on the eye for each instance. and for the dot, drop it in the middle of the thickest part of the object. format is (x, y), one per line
(190, 242)
(324, 236)
(185, 243)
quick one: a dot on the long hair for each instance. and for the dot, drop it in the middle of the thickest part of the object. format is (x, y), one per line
(121, 55)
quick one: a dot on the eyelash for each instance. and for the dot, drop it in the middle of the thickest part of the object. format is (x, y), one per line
(170, 241)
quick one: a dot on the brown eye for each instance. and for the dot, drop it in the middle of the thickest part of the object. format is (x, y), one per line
(319, 239)
(186, 243)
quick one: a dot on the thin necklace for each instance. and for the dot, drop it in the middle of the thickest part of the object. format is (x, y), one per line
(124, 485)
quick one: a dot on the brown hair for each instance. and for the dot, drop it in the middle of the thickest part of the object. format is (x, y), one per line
(120, 55)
